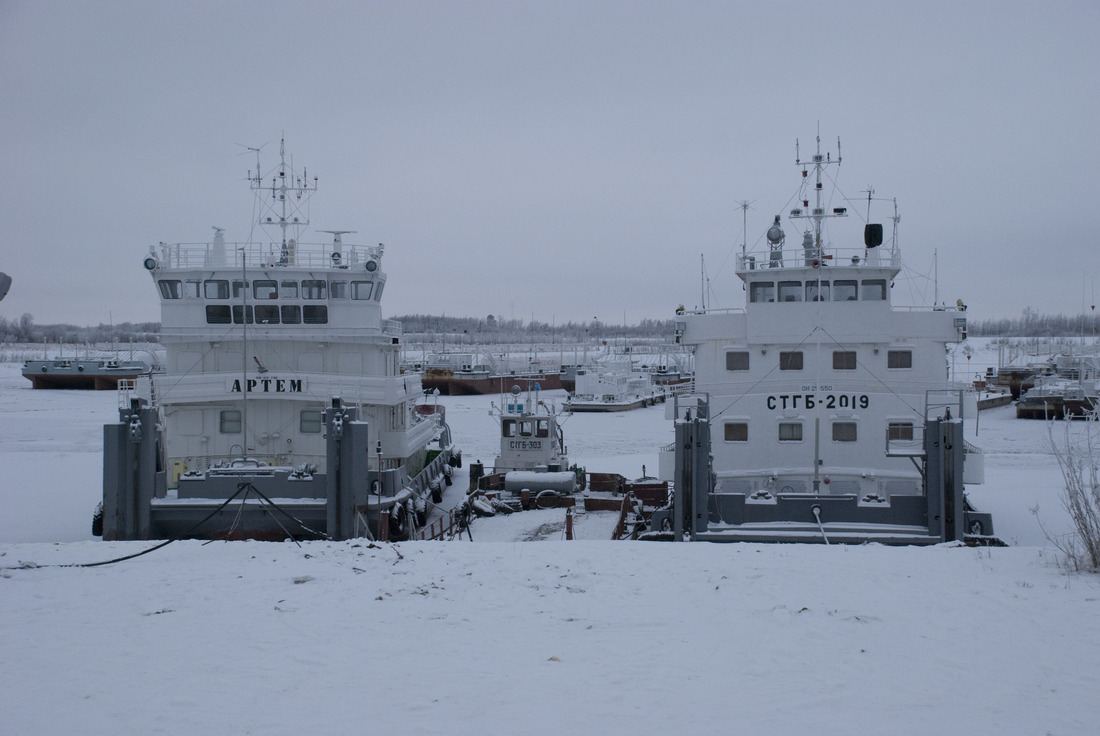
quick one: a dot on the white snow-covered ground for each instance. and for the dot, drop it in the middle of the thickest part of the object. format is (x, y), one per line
(533, 637)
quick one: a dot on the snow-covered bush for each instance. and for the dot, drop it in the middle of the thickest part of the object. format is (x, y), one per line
(1078, 461)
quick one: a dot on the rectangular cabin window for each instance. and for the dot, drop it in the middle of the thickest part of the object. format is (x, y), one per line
(790, 361)
(265, 289)
(737, 360)
(790, 291)
(542, 427)
(218, 314)
(899, 359)
(229, 421)
(292, 314)
(315, 314)
(267, 314)
(790, 431)
(526, 428)
(337, 289)
(309, 421)
(762, 291)
(844, 431)
(191, 289)
(817, 291)
(844, 290)
(289, 289)
(873, 290)
(378, 291)
(314, 289)
(844, 360)
(508, 428)
(736, 431)
(216, 288)
(171, 288)
(238, 288)
(237, 314)
(899, 430)
(361, 289)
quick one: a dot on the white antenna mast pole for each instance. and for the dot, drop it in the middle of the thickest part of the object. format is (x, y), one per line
(935, 276)
(744, 226)
(702, 282)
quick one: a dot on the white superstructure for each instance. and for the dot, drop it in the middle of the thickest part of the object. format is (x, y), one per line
(282, 381)
(261, 336)
(820, 368)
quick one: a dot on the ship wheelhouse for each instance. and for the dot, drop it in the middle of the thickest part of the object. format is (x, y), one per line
(282, 381)
(817, 396)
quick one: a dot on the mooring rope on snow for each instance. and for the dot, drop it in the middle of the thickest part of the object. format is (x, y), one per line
(241, 488)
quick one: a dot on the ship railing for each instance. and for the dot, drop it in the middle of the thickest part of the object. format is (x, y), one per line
(266, 255)
(678, 389)
(907, 441)
(823, 257)
(134, 388)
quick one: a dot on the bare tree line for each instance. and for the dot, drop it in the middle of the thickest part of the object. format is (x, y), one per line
(493, 329)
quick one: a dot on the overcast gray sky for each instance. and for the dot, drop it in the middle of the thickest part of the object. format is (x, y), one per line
(554, 160)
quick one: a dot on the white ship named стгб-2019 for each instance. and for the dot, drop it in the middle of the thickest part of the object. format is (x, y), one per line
(822, 411)
(282, 411)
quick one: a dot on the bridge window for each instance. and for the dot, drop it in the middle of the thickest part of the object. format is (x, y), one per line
(337, 289)
(289, 289)
(790, 291)
(899, 359)
(873, 290)
(762, 291)
(267, 314)
(526, 428)
(844, 431)
(314, 289)
(790, 361)
(844, 290)
(229, 421)
(508, 428)
(378, 291)
(790, 431)
(292, 314)
(844, 360)
(542, 427)
(218, 314)
(237, 314)
(309, 422)
(315, 314)
(191, 289)
(238, 288)
(216, 289)
(817, 291)
(171, 288)
(361, 289)
(736, 431)
(265, 289)
(737, 360)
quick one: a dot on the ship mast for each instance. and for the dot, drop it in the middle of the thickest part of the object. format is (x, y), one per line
(817, 214)
(290, 193)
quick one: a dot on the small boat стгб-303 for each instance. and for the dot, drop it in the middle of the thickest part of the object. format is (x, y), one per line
(282, 411)
(822, 412)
